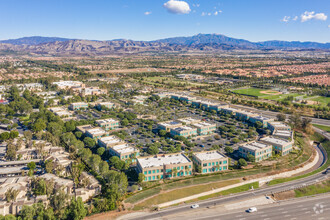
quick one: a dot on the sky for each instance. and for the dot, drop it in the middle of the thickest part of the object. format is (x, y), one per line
(254, 20)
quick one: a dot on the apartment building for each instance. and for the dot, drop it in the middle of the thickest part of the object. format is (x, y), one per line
(188, 121)
(184, 131)
(259, 150)
(61, 112)
(108, 105)
(210, 161)
(262, 119)
(124, 151)
(167, 126)
(205, 128)
(280, 146)
(283, 134)
(109, 141)
(78, 106)
(164, 166)
(108, 124)
(95, 133)
(278, 126)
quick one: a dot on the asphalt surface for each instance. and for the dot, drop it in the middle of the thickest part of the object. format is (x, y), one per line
(302, 209)
(273, 114)
(241, 196)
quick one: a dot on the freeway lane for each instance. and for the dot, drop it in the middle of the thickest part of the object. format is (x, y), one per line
(302, 209)
(241, 196)
(273, 114)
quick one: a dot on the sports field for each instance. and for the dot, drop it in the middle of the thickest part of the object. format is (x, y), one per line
(264, 93)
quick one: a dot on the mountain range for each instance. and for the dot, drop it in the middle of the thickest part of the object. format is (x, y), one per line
(199, 42)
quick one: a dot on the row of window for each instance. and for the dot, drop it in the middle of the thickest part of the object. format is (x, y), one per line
(157, 177)
(214, 169)
(167, 170)
(214, 163)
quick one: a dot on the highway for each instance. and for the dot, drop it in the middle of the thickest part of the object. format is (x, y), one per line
(241, 196)
(303, 209)
(273, 114)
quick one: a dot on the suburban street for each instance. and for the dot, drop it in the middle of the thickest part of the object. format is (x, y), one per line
(241, 196)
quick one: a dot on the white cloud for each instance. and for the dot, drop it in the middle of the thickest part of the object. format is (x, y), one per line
(177, 7)
(147, 13)
(216, 13)
(309, 15)
(295, 18)
(286, 19)
(196, 5)
(329, 26)
(209, 14)
(203, 13)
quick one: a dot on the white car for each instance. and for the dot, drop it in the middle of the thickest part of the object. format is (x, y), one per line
(195, 206)
(252, 209)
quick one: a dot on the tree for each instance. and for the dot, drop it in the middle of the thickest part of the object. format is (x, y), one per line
(124, 122)
(39, 125)
(295, 120)
(11, 194)
(11, 152)
(229, 150)
(39, 187)
(49, 166)
(70, 126)
(59, 201)
(78, 134)
(141, 178)
(55, 128)
(90, 142)
(76, 209)
(162, 133)
(13, 134)
(4, 136)
(259, 124)
(251, 158)
(242, 162)
(153, 150)
(281, 117)
(28, 135)
(32, 165)
(100, 151)
(27, 212)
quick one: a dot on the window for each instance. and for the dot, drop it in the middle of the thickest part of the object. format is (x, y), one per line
(149, 171)
(153, 171)
(145, 172)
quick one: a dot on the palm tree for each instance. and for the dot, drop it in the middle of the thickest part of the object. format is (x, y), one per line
(11, 194)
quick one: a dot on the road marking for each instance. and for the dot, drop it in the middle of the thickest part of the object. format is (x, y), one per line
(308, 212)
(293, 218)
(287, 216)
(300, 206)
(239, 216)
(284, 212)
(304, 209)
(242, 219)
(264, 216)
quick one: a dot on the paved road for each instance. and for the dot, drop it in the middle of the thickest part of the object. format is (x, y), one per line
(302, 209)
(241, 196)
(273, 114)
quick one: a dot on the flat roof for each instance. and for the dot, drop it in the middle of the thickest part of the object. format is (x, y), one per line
(79, 103)
(183, 128)
(274, 140)
(106, 103)
(110, 140)
(170, 123)
(124, 148)
(101, 121)
(96, 131)
(278, 124)
(209, 155)
(158, 160)
(230, 109)
(260, 117)
(203, 124)
(283, 132)
(254, 146)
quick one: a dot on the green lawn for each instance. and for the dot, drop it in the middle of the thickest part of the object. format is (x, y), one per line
(250, 91)
(323, 127)
(322, 100)
(323, 187)
(182, 193)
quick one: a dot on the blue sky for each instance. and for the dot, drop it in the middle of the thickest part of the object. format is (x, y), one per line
(254, 20)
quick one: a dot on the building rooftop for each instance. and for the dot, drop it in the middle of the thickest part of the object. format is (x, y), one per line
(183, 128)
(279, 125)
(57, 180)
(111, 140)
(203, 124)
(96, 131)
(209, 155)
(124, 148)
(79, 103)
(255, 146)
(170, 123)
(274, 140)
(161, 160)
(230, 109)
(108, 120)
(262, 118)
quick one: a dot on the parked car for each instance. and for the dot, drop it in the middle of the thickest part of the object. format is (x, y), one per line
(195, 206)
(252, 209)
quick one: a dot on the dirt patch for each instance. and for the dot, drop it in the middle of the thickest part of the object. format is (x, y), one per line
(284, 195)
(270, 92)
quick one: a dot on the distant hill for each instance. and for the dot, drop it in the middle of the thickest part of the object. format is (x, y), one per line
(199, 42)
(34, 40)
